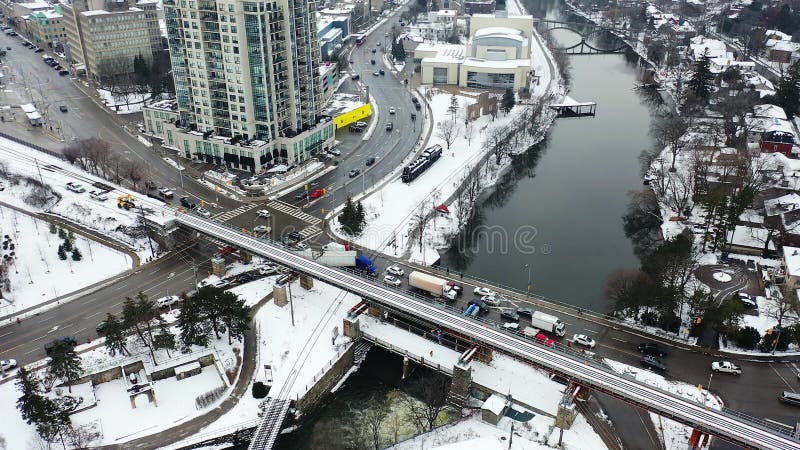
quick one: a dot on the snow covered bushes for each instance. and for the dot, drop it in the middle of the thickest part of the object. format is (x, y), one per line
(209, 397)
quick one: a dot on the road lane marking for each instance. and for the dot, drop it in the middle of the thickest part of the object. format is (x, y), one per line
(619, 340)
(771, 366)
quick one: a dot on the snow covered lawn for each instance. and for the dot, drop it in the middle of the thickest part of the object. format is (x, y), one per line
(123, 104)
(536, 434)
(674, 435)
(36, 273)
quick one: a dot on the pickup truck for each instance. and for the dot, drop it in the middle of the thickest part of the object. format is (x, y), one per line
(726, 366)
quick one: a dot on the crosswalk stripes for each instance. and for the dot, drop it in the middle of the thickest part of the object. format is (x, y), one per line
(310, 232)
(228, 215)
(293, 211)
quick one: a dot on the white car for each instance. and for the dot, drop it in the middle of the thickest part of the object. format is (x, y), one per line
(167, 301)
(391, 281)
(511, 326)
(392, 110)
(726, 366)
(395, 270)
(100, 196)
(584, 340)
(166, 192)
(335, 152)
(202, 212)
(747, 300)
(267, 270)
(491, 300)
(300, 246)
(261, 229)
(263, 213)
(482, 291)
(8, 364)
(75, 187)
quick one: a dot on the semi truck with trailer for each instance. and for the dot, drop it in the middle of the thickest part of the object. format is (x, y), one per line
(438, 287)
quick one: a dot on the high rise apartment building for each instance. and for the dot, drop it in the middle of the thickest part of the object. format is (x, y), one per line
(247, 82)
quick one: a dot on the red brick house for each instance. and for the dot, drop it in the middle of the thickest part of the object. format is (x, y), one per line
(777, 142)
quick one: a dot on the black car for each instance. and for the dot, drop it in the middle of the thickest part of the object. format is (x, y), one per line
(38, 50)
(651, 348)
(481, 304)
(417, 106)
(355, 76)
(653, 363)
(510, 314)
(69, 340)
(381, 71)
(372, 61)
(295, 236)
(100, 328)
(373, 50)
(63, 72)
(187, 202)
(370, 161)
(525, 311)
(301, 195)
(353, 173)
(246, 277)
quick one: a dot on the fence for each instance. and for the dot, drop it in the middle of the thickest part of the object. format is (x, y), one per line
(418, 359)
(318, 376)
(34, 146)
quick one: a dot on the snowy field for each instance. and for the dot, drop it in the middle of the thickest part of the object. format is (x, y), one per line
(118, 103)
(674, 435)
(102, 216)
(36, 274)
(536, 434)
(297, 353)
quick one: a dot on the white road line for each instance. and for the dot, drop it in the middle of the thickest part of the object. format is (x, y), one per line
(771, 366)
(619, 340)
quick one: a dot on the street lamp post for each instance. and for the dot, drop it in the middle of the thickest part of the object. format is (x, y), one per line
(528, 266)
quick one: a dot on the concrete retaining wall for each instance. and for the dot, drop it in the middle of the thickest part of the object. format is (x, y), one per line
(323, 386)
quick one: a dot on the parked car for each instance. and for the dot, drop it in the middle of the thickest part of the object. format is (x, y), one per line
(391, 281)
(317, 193)
(584, 340)
(651, 348)
(261, 229)
(524, 311)
(75, 187)
(370, 161)
(353, 173)
(482, 291)
(263, 213)
(167, 301)
(302, 195)
(246, 277)
(63, 108)
(395, 270)
(373, 51)
(726, 366)
(187, 202)
(355, 76)
(335, 152)
(8, 364)
(38, 50)
(747, 300)
(372, 61)
(69, 340)
(392, 110)
(100, 329)
(202, 212)
(653, 363)
(376, 73)
(544, 339)
(381, 72)
(166, 192)
(455, 287)
(791, 398)
(267, 269)
(512, 326)
(483, 306)
(63, 72)
(295, 236)
(100, 196)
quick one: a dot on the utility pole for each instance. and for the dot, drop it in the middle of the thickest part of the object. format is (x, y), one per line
(144, 224)
(39, 170)
(291, 302)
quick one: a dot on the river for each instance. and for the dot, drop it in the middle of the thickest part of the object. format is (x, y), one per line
(572, 188)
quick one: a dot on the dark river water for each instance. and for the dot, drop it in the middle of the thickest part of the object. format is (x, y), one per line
(570, 190)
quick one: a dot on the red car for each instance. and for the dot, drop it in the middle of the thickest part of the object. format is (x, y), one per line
(317, 193)
(543, 339)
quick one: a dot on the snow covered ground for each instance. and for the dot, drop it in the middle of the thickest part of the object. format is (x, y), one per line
(298, 353)
(36, 274)
(118, 103)
(673, 434)
(536, 434)
(102, 216)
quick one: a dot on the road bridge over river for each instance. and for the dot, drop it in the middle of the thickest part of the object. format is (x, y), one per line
(727, 424)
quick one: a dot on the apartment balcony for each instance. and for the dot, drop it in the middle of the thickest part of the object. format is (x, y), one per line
(207, 6)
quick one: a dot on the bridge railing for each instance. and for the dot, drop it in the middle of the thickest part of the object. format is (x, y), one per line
(560, 348)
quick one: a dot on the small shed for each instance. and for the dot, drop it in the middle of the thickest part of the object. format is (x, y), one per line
(494, 408)
(187, 370)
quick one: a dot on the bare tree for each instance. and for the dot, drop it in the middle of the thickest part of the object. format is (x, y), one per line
(497, 141)
(372, 420)
(469, 130)
(431, 400)
(781, 302)
(680, 194)
(419, 221)
(99, 152)
(447, 130)
(668, 130)
(134, 171)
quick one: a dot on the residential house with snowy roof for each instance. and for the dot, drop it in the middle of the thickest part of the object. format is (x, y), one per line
(768, 126)
(784, 52)
(700, 46)
(791, 264)
(782, 216)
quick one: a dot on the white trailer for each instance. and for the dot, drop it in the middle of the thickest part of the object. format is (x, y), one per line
(433, 285)
(338, 258)
(548, 323)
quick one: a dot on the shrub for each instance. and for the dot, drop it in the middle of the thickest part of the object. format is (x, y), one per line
(747, 338)
(768, 342)
(209, 397)
(260, 390)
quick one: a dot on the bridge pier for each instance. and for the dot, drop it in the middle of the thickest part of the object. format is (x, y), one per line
(351, 328)
(408, 368)
(460, 385)
(218, 266)
(279, 295)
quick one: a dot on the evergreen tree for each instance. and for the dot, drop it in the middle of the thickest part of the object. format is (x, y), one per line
(508, 101)
(787, 95)
(349, 217)
(398, 51)
(50, 420)
(210, 301)
(62, 254)
(164, 339)
(62, 234)
(71, 236)
(193, 330)
(28, 404)
(140, 70)
(67, 245)
(76, 254)
(453, 108)
(53, 228)
(116, 335)
(65, 364)
(360, 217)
(700, 82)
(142, 316)
(235, 315)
